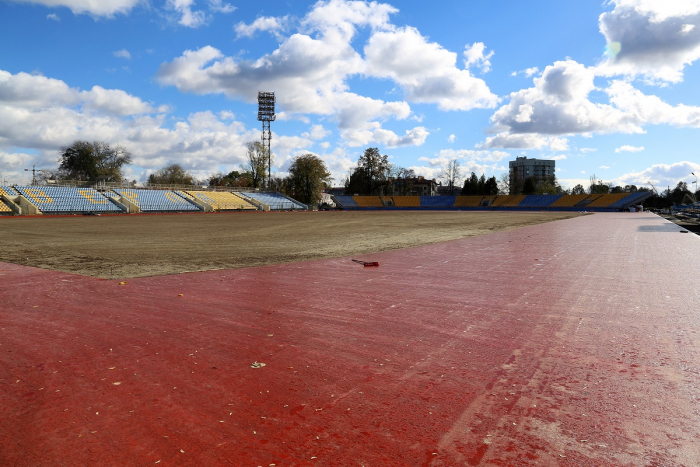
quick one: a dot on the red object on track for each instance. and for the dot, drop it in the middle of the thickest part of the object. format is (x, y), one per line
(464, 353)
(366, 263)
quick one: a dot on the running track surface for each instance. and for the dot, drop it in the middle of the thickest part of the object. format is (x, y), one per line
(572, 343)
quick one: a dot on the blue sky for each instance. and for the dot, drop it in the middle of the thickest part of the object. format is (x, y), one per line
(605, 88)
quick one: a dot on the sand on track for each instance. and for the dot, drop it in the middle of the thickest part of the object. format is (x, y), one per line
(124, 246)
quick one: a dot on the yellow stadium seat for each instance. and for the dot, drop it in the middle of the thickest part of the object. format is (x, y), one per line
(508, 200)
(368, 201)
(406, 201)
(606, 200)
(568, 201)
(221, 200)
(468, 201)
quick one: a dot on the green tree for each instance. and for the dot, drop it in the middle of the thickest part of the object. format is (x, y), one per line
(232, 179)
(371, 175)
(172, 174)
(308, 176)
(529, 186)
(491, 187)
(471, 185)
(578, 190)
(91, 162)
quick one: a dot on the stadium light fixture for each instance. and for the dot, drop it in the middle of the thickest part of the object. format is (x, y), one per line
(266, 115)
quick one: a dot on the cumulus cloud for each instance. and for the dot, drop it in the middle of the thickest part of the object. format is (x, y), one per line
(528, 72)
(44, 113)
(269, 24)
(652, 38)
(123, 53)
(451, 138)
(107, 8)
(662, 175)
(628, 148)
(560, 104)
(316, 132)
(53, 16)
(188, 17)
(310, 69)
(474, 56)
(426, 71)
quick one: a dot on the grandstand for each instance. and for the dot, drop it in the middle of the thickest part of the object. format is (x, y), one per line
(508, 201)
(538, 201)
(605, 201)
(276, 201)
(437, 201)
(220, 200)
(156, 200)
(468, 201)
(6, 191)
(405, 201)
(368, 201)
(67, 200)
(568, 201)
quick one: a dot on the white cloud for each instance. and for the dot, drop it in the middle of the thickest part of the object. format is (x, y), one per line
(560, 104)
(106, 8)
(474, 56)
(123, 53)
(310, 69)
(604, 167)
(627, 148)
(187, 17)
(43, 114)
(464, 155)
(661, 175)
(528, 72)
(53, 16)
(560, 157)
(587, 150)
(451, 138)
(316, 132)
(425, 71)
(652, 38)
(219, 6)
(270, 24)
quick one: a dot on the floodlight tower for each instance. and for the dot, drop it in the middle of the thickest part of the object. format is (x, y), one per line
(266, 114)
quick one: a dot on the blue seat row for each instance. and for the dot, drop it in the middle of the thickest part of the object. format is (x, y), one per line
(437, 201)
(538, 201)
(157, 200)
(67, 199)
(276, 201)
(345, 201)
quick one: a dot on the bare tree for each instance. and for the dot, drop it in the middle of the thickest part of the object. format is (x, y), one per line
(172, 174)
(504, 184)
(257, 163)
(451, 174)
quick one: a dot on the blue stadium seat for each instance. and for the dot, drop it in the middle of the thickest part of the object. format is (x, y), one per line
(538, 201)
(437, 201)
(276, 201)
(157, 200)
(345, 201)
(67, 200)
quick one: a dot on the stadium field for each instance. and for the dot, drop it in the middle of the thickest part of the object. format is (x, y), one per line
(148, 245)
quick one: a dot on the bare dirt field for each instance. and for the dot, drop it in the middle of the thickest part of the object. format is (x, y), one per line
(148, 245)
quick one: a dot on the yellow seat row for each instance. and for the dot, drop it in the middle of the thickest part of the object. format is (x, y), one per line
(369, 201)
(568, 201)
(468, 201)
(406, 201)
(221, 200)
(508, 200)
(604, 201)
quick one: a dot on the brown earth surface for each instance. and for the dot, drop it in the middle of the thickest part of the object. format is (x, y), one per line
(124, 246)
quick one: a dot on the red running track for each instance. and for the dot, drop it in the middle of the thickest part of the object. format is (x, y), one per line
(573, 343)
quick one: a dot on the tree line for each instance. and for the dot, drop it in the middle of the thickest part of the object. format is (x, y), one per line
(98, 161)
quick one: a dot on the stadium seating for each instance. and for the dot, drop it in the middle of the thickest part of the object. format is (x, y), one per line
(368, 201)
(606, 200)
(437, 201)
(7, 191)
(406, 201)
(220, 200)
(568, 201)
(276, 201)
(630, 199)
(157, 200)
(468, 201)
(64, 200)
(538, 201)
(345, 201)
(508, 201)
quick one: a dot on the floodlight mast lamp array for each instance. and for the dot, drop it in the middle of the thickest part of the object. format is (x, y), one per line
(266, 114)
